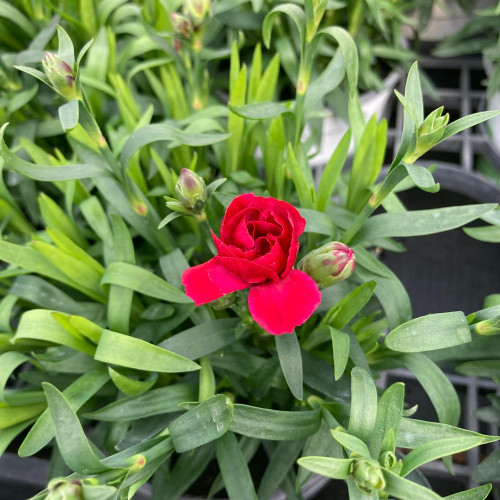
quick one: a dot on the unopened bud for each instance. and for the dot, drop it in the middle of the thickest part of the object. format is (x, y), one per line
(137, 463)
(429, 134)
(367, 475)
(488, 326)
(181, 24)
(191, 190)
(196, 11)
(60, 75)
(139, 207)
(62, 489)
(329, 264)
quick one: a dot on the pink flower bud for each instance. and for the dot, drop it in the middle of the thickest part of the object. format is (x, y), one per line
(191, 190)
(60, 75)
(329, 264)
(181, 24)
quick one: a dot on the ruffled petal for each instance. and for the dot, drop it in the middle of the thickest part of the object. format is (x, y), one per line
(209, 281)
(248, 270)
(280, 306)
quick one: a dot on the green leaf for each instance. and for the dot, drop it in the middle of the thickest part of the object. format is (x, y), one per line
(202, 424)
(130, 386)
(78, 393)
(66, 50)
(154, 402)
(9, 12)
(427, 333)
(420, 222)
(234, 469)
(479, 493)
(164, 132)
(422, 178)
(117, 349)
(202, 339)
(467, 122)
(9, 361)
(340, 346)
(293, 11)
(351, 442)
(275, 425)
(414, 432)
(403, 489)
(437, 449)
(39, 324)
(12, 415)
(288, 349)
(304, 190)
(318, 222)
(332, 171)
(280, 464)
(336, 468)
(489, 234)
(48, 172)
(363, 404)
(68, 114)
(437, 386)
(71, 440)
(260, 110)
(389, 415)
(482, 368)
(142, 281)
(487, 470)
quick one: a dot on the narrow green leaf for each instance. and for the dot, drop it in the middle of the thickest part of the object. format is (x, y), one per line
(363, 404)
(340, 346)
(479, 493)
(202, 424)
(234, 469)
(295, 13)
(403, 489)
(154, 402)
(422, 178)
(437, 449)
(336, 468)
(427, 333)
(420, 222)
(389, 415)
(71, 440)
(68, 114)
(276, 425)
(142, 281)
(467, 122)
(123, 350)
(288, 349)
(78, 393)
(260, 110)
(351, 442)
(130, 386)
(437, 386)
(488, 234)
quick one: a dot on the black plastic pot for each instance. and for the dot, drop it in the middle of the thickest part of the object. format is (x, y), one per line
(448, 271)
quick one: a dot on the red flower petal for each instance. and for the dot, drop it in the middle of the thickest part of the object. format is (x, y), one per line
(247, 270)
(209, 281)
(280, 306)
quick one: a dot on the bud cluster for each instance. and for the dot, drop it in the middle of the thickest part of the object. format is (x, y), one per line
(60, 75)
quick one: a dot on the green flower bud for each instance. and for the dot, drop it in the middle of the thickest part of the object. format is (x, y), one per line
(196, 11)
(191, 190)
(181, 24)
(367, 475)
(60, 75)
(388, 460)
(488, 326)
(329, 264)
(429, 134)
(62, 489)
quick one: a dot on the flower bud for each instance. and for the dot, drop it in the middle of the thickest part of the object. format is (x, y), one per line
(429, 134)
(60, 75)
(329, 264)
(488, 326)
(181, 24)
(191, 190)
(367, 475)
(196, 11)
(62, 489)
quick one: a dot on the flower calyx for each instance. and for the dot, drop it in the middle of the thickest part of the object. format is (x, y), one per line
(62, 489)
(191, 191)
(367, 475)
(61, 76)
(429, 134)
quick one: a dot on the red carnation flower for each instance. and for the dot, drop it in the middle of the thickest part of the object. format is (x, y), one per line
(257, 248)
